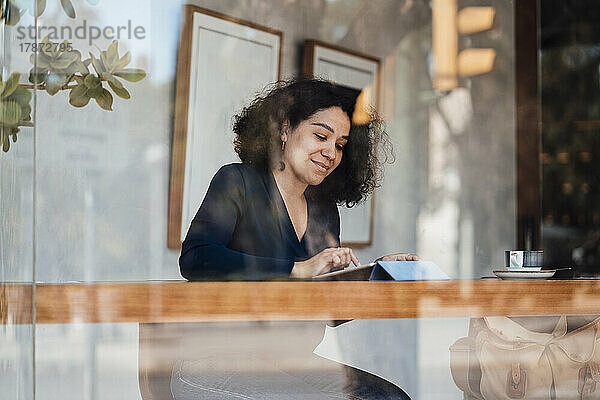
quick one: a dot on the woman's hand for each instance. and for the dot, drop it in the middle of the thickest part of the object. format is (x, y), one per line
(399, 257)
(323, 262)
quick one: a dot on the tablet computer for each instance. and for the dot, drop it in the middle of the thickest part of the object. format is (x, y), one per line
(353, 273)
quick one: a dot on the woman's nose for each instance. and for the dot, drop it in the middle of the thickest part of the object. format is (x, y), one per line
(329, 150)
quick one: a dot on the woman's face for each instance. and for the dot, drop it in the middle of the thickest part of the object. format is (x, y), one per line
(315, 147)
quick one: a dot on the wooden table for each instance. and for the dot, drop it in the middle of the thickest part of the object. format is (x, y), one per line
(235, 301)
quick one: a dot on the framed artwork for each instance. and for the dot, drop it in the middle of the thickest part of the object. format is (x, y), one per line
(222, 63)
(360, 72)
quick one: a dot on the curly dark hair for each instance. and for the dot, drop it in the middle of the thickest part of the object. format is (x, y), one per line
(258, 126)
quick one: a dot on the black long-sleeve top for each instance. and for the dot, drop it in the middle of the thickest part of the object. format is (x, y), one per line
(243, 231)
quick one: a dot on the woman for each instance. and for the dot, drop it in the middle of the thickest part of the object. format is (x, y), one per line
(275, 213)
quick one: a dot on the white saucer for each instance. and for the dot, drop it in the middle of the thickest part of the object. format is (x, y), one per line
(520, 275)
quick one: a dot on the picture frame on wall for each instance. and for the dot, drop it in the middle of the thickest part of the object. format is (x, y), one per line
(361, 73)
(222, 63)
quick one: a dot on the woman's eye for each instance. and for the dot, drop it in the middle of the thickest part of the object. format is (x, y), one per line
(339, 147)
(321, 137)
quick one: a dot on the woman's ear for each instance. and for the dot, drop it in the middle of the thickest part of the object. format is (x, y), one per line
(285, 130)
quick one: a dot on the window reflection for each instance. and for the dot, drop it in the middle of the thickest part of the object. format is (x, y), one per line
(87, 192)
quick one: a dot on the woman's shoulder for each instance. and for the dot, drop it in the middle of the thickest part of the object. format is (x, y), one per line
(237, 180)
(227, 173)
(239, 170)
(239, 175)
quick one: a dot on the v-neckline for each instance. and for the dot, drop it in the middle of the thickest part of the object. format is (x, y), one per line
(289, 222)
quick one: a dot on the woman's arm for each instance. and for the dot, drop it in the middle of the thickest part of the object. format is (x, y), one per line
(204, 252)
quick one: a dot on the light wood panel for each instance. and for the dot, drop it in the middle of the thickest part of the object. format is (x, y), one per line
(15, 304)
(180, 122)
(235, 301)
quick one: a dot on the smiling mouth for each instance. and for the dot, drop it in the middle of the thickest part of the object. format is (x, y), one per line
(321, 166)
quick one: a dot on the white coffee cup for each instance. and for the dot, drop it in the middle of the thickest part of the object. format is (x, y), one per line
(530, 260)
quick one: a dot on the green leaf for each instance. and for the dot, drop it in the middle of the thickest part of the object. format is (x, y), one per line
(81, 68)
(54, 82)
(42, 61)
(78, 96)
(25, 113)
(10, 113)
(119, 91)
(105, 100)
(72, 55)
(40, 7)
(103, 60)
(68, 7)
(122, 63)
(112, 53)
(21, 4)
(12, 15)
(5, 133)
(71, 69)
(131, 74)
(110, 78)
(47, 50)
(78, 90)
(37, 77)
(95, 92)
(5, 141)
(10, 85)
(21, 96)
(96, 64)
(61, 63)
(91, 81)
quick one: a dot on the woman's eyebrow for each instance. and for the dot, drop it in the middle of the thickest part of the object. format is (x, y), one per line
(330, 129)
